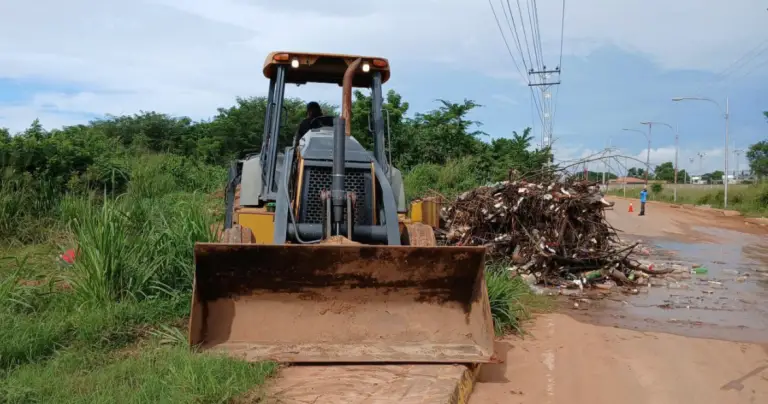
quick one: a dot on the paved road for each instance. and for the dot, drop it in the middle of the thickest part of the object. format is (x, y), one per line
(570, 361)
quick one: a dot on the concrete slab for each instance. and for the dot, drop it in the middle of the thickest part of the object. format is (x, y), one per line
(373, 384)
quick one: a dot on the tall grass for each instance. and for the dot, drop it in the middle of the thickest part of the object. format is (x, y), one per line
(26, 208)
(135, 249)
(511, 299)
(155, 175)
(113, 263)
(129, 284)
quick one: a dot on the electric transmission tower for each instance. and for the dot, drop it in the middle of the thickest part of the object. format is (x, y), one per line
(545, 86)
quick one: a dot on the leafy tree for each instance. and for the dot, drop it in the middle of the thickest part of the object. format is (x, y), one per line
(515, 153)
(443, 134)
(394, 119)
(636, 172)
(716, 175)
(665, 172)
(757, 155)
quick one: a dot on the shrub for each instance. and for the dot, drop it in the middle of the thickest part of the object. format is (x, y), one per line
(449, 180)
(26, 205)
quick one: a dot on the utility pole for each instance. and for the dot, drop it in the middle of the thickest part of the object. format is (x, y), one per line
(690, 159)
(626, 166)
(648, 155)
(727, 119)
(701, 156)
(545, 86)
(727, 124)
(738, 153)
(677, 148)
(650, 124)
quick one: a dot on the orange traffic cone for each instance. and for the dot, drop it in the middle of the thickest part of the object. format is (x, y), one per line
(630, 208)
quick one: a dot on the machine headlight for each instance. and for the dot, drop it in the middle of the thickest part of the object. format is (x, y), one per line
(295, 63)
(366, 67)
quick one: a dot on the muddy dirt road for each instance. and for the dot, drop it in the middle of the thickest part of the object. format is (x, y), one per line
(702, 339)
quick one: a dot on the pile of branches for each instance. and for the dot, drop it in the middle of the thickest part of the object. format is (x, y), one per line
(555, 230)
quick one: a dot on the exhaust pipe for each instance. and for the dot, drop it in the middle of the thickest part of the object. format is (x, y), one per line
(346, 94)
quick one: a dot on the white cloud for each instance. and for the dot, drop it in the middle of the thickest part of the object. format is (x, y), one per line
(505, 99)
(191, 56)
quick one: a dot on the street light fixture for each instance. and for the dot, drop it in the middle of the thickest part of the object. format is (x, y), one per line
(650, 125)
(648, 157)
(727, 119)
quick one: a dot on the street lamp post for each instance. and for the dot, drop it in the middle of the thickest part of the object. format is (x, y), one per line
(690, 159)
(727, 119)
(737, 173)
(648, 157)
(650, 124)
(626, 166)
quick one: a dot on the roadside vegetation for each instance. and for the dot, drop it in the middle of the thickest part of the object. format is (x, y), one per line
(133, 194)
(750, 200)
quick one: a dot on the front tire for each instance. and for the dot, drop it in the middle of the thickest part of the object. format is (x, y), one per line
(418, 235)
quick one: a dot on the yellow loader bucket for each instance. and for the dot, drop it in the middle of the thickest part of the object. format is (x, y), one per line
(342, 303)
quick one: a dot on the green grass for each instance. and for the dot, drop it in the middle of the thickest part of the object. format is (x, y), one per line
(66, 329)
(26, 209)
(449, 180)
(154, 374)
(512, 301)
(136, 249)
(750, 200)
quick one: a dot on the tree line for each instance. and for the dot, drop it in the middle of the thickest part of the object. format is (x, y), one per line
(97, 155)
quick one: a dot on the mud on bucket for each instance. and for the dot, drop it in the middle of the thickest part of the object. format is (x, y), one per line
(342, 303)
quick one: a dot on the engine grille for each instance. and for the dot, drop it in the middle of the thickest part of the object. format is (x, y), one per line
(319, 178)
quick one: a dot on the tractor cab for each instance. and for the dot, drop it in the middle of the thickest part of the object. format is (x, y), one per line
(310, 154)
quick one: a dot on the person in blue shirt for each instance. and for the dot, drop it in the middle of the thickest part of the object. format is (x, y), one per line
(643, 198)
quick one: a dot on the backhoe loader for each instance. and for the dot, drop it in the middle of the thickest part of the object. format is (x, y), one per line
(319, 261)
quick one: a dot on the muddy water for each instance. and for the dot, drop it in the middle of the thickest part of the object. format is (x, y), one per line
(729, 302)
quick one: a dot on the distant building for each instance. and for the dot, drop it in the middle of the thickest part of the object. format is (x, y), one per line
(696, 179)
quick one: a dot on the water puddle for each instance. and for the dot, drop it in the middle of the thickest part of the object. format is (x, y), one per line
(729, 301)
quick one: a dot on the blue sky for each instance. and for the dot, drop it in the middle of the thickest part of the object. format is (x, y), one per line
(68, 62)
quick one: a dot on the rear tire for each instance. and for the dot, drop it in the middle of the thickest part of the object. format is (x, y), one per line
(418, 235)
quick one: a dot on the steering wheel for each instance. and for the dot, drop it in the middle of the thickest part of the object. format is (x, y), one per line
(329, 118)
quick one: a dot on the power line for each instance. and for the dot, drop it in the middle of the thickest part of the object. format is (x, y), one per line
(531, 53)
(744, 60)
(562, 35)
(513, 29)
(525, 35)
(501, 31)
(534, 40)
